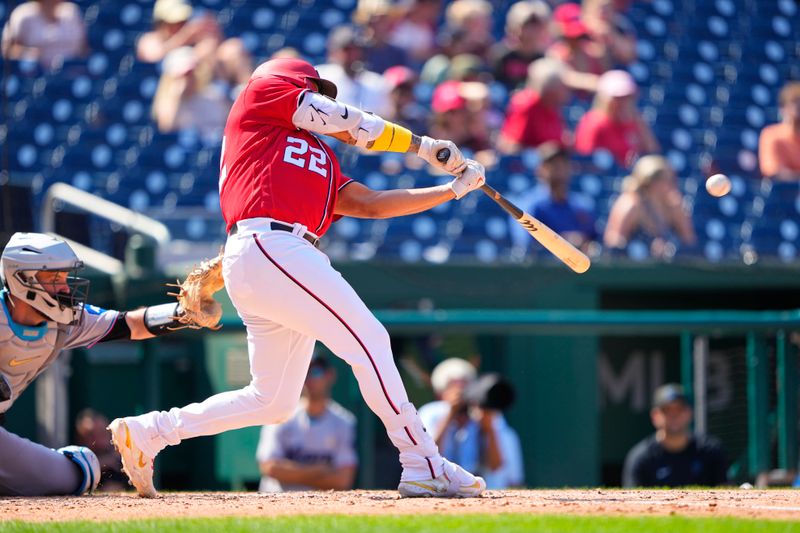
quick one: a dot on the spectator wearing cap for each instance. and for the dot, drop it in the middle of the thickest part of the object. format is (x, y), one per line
(375, 19)
(489, 396)
(574, 45)
(405, 110)
(345, 68)
(527, 37)
(614, 123)
(47, 31)
(534, 115)
(185, 100)
(673, 456)
(568, 213)
(315, 448)
(415, 31)
(651, 209)
(176, 25)
(454, 120)
(779, 144)
(611, 31)
(458, 435)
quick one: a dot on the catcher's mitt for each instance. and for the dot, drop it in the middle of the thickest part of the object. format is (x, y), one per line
(196, 295)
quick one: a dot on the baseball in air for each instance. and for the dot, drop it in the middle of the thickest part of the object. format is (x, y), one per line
(718, 185)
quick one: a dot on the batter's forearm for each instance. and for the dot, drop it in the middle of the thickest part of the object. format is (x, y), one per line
(413, 148)
(401, 202)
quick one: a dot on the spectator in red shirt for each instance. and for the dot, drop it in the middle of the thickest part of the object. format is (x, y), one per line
(614, 123)
(534, 114)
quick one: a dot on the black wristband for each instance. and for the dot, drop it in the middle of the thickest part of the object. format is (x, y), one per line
(161, 319)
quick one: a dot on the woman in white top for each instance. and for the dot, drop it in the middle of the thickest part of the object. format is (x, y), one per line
(49, 31)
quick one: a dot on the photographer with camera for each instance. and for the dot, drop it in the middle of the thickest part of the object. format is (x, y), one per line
(468, 425)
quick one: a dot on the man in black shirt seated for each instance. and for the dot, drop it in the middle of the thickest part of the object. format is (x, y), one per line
(673, 456)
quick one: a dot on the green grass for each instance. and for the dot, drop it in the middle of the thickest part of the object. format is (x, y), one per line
(502, 523)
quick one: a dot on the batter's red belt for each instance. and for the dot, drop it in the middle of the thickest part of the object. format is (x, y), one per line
(280, 226)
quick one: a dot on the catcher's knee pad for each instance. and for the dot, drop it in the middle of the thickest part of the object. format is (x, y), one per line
(88, 464)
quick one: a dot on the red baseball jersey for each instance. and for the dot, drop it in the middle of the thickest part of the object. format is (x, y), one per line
(269, 167)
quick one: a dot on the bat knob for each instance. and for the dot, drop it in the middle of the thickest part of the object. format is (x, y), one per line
(443, 155)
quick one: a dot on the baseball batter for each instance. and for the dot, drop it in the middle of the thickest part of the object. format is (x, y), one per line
(280, 188)
(44, 313)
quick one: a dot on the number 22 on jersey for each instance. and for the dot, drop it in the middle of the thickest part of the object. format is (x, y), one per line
(300, 154)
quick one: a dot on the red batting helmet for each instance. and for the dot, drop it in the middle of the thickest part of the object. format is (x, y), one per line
(295, 71)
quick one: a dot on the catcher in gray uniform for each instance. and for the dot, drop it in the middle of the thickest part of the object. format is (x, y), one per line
(45, 312)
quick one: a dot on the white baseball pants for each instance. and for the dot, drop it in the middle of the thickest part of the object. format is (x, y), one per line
(289, 296)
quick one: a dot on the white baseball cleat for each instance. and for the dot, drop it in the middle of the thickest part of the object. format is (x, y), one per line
(455, 482)
(135, 463)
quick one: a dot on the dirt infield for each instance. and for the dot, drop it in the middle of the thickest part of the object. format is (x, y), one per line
(774, 504)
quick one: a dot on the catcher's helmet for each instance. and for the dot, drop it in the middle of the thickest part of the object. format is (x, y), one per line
(27, 254)
(297, 72)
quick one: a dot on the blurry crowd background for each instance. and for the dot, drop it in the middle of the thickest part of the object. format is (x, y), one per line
(602, 118)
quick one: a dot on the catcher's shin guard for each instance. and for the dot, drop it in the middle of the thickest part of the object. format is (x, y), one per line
(88, 464)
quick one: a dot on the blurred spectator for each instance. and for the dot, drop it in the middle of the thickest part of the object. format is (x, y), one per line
(90, 431)
(184, 100)
(357, 85)
(534, 113)
(287, 52)
(575, 46)
(611, 31)
(314, 449)
(614, 122)
(48, 31)
(673, 456)
(455, 63)
(779, 145)
(375, 18)
(176, 25)
(527, 37)
(488, 397)
(416, 31)
(650, 206)
(468, 425)
(404, 108)
(472, 20)
(468, 67)
(568, 213)
(447, 420)
(453, 120)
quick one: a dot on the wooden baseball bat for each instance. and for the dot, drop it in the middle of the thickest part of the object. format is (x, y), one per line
(555, 243)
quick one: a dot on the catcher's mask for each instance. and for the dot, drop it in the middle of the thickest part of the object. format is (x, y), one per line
(42, 271)
(297, 72)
